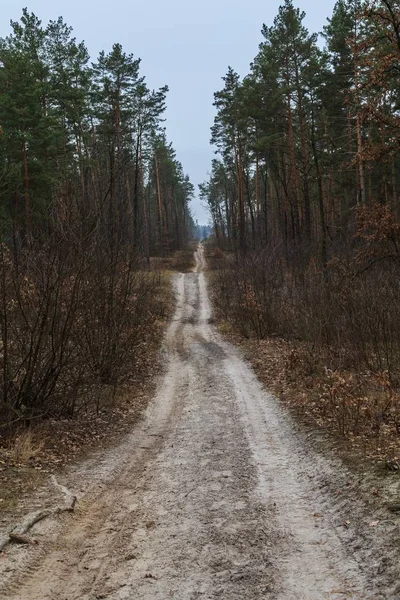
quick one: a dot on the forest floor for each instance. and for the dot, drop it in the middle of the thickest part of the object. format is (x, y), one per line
(216, 493)
(325, 398)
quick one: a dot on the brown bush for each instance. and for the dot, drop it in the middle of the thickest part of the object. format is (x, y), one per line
(74, 312)
(347, 312)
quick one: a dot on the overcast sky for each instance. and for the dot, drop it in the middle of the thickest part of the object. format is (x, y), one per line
(185, 44)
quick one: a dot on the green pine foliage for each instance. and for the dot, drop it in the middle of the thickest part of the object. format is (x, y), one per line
(82, 136)
(310, 133)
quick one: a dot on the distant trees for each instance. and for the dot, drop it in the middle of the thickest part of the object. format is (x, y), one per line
(202, 232)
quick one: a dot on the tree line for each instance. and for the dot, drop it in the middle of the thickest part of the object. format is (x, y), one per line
(304, 191)
(87, 139)
(90, 190)
(311, 133)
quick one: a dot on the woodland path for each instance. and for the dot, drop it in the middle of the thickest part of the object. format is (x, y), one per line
(213, 495)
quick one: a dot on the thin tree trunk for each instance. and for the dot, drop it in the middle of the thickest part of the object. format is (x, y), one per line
(360, 161)
(28, 216)
(160, 207)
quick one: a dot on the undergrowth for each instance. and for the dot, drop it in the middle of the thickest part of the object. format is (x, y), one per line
(327, 343)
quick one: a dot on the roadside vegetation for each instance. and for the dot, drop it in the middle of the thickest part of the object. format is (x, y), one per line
(305, 204)
(91, 192)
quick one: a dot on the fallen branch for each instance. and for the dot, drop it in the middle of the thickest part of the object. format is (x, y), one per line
(22, 539)
(19, 533)
(70, 498)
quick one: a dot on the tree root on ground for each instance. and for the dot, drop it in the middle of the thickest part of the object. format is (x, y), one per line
(18, 534)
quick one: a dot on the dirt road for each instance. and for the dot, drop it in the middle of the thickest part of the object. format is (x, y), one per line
(214, 495)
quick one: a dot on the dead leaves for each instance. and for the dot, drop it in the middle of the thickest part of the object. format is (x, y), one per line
(360, 406)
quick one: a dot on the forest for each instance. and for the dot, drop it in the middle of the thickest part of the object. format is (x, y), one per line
(304, 198)
(90, 191)
(193, 410)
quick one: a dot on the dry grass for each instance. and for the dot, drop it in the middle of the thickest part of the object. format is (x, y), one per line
(25, 447)
(356, 408)
(181, 261)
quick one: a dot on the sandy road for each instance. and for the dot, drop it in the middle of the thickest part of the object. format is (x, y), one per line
(213, 495)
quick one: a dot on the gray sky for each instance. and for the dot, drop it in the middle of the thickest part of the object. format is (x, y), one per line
(184, 44)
